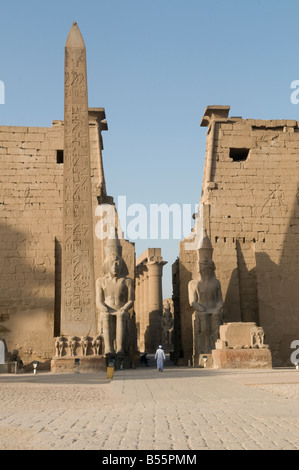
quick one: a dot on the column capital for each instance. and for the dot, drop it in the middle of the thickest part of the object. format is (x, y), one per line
(155, 260)
(139, 270)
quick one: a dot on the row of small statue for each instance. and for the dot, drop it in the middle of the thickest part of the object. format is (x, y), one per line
(63, 343)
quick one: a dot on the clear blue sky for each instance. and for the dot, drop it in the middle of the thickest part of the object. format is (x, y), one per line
(154, 65)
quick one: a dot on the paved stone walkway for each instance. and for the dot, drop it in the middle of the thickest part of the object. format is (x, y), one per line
(178, 409)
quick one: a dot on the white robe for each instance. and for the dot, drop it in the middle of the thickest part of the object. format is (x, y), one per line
(160, 356)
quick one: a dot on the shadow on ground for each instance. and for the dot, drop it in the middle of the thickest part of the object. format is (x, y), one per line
(171, 371)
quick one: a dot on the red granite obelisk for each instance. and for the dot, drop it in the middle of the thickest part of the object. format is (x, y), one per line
(78, 313)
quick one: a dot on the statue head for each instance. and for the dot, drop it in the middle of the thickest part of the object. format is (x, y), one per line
(113, 245)
(206, 268)
(113, 265)
(205, 257)
(205, 250)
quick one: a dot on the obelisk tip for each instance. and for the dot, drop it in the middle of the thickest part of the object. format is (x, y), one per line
(75, 38)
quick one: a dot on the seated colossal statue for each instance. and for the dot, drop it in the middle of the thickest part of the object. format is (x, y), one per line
(205, 298)
(114, 299)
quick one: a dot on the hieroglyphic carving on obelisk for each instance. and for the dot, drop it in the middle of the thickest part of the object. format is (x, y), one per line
(78, 314)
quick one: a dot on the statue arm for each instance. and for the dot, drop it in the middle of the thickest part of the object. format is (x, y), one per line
(100, 298)
(130, 302)
(197, 306)
(219, 305)
(193, 297)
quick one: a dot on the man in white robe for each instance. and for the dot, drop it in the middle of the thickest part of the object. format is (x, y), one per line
(160, 356)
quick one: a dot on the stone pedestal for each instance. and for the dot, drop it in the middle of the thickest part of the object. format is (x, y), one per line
(241, 346)
(236, 334)
(242, 358)
(67, 364)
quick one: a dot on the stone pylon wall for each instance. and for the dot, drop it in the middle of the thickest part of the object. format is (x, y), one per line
(30, 233)
(250, 192)
(31, 200)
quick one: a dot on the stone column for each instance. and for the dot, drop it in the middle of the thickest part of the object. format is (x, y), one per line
(145, 316)
(137, 303)
(155, 267)
(141, 311)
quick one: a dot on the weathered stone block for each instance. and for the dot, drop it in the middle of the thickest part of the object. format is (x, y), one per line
(236, 333)
(242, 359)
(86, 364)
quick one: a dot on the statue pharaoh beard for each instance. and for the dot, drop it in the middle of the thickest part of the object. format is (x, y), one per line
(206, 299)
(114, 298)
